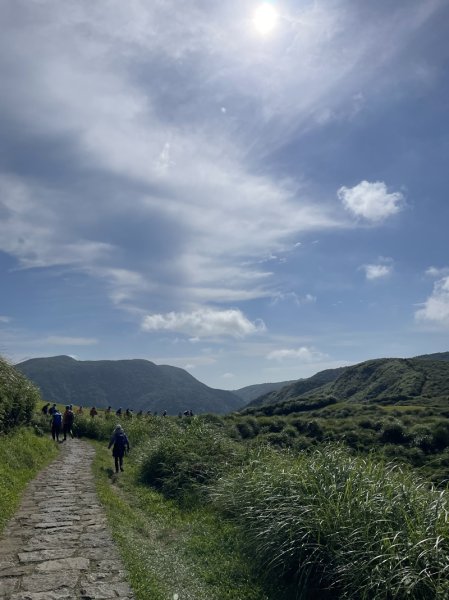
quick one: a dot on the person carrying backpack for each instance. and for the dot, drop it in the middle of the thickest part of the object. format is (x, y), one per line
(67, 422)
(119, 442)
(56, 422)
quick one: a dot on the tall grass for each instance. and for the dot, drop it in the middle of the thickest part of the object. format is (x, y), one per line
(360, 527)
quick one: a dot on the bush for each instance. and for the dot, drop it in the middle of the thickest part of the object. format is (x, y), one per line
(440, 436)
(361, 528)
(393, 434)
(246, 429)
(185, 458)
(18, 397)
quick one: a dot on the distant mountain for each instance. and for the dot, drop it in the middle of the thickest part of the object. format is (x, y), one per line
(385, 380)
(299, 387)
(251, 392)
(137, 384)
(393, 379)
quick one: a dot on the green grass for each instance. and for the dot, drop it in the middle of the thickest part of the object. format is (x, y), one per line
(168, 550)
(24, 454)
(329, 519)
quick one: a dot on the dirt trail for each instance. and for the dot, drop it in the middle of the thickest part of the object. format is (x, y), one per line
(58, 544)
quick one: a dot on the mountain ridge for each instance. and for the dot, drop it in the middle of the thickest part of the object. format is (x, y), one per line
(376, 380)
(136, 383)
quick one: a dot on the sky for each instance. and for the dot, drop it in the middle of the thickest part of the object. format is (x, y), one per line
(251, 192)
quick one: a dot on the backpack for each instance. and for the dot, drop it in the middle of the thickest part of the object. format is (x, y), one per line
(57, 419)
(120, 441)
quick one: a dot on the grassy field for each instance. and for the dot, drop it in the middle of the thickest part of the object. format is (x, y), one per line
(171, 552)
(200, 514)
(23, 455)
(216, 507)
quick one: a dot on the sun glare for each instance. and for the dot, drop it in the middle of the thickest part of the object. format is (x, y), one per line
(265, 18)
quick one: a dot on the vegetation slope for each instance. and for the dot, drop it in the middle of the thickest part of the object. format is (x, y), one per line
(381, 380)
(24, 451)
(253, 521)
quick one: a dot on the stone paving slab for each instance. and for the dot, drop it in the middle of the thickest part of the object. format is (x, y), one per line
(58, 544)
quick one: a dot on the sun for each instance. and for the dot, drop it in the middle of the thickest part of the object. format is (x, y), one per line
(265, 18)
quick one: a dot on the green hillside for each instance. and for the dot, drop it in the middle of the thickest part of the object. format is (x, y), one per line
(299, 388)
(137, 384)
(251, 392)
(387, 380)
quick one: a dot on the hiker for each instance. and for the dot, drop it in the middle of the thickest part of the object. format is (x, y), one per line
(120, 443)
(164, 414)
(118, 412)
(140, 414)
(80, 410)
(45, 408)
(93, 412)
(129, 413)
(107, 412)
(56, 421)
(67, 422)
(52, 409)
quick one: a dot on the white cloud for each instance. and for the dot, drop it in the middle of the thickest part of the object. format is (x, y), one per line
(377, 271)
(436, 307)
(437, 272)
(5, 319)
(56, 340)
(228, 376)
(185, 362)
(204, 322)
(294, 297)
(371, 200)
(303, 354)
(124, 284)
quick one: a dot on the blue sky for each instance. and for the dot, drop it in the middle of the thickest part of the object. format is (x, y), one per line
(251, 199)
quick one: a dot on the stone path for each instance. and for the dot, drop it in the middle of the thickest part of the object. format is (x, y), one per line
(58, 545)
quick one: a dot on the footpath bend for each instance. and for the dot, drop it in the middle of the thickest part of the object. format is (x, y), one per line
(58, 544)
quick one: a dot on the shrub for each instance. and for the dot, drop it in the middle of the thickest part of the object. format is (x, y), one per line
(181, 461)
(18, 397)
(440, 436)
(247, 427)
(393, 434)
